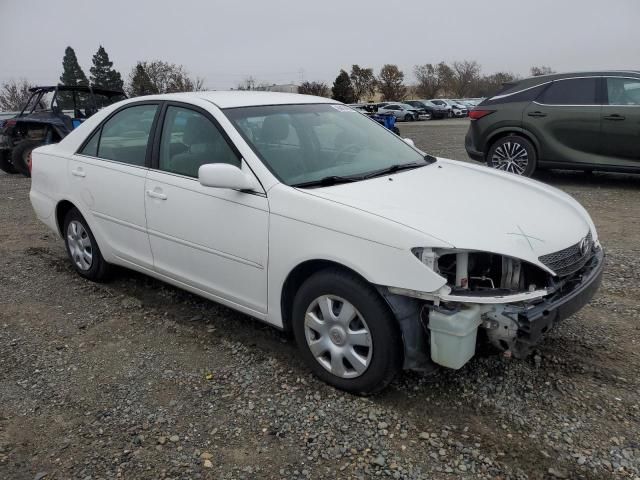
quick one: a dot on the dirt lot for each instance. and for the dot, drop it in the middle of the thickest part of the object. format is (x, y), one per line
(136, 379)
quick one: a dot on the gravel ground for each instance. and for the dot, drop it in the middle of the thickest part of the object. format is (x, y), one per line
(136, 379)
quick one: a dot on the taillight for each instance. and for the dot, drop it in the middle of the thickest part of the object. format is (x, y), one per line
(476, 114)
(10, 123)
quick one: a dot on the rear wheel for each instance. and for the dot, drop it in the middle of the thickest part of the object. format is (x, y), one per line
(5, 164)
(21, 156)
(514, 154)
(346, 333)
(82, 248)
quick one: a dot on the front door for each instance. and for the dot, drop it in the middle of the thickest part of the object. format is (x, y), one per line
(211, 239)
(621, 122)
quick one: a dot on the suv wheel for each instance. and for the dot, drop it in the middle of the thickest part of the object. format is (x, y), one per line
(5, 164)
(513, 154)
(21, 156)
(346, 333)
(82, 247)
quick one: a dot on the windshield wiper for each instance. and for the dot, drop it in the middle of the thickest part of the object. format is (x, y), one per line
(398, 167)
(327, 181)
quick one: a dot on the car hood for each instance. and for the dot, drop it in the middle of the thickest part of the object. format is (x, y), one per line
(471, 207)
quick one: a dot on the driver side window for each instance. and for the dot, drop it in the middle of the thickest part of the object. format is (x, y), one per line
(189, 140)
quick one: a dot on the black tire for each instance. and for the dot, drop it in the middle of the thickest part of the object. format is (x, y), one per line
(20, 155)
(509, 143)
(5, 164)
(99, 269)
(387, 350)
(450, 113)
(408, 118)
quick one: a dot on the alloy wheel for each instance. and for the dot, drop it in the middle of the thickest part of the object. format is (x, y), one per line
(80, 247)
(338, 336)
(510, 157)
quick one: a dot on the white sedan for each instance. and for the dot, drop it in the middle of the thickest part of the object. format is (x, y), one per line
(307, 215)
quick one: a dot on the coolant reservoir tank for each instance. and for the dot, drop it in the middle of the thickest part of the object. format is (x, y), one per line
(453, 335)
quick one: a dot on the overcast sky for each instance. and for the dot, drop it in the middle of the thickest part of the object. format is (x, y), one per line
(280, 41)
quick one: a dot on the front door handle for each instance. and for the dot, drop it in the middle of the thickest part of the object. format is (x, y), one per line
(615, 117)
(78, 173)
(537, 114)
(158, 195)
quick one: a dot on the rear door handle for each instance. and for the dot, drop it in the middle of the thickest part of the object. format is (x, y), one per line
(158, 195)
(615, 117)
(537, 114)
(78, 173)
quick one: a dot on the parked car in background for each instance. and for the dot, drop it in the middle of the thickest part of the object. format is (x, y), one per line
(584, 121)
(455, 109)
(402, 111)
(49, 115)
(340, 238)
(434, 111)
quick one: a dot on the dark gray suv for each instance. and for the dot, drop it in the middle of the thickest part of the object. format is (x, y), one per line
(582, 121)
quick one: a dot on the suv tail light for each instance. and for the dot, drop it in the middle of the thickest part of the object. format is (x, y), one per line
(476, 114)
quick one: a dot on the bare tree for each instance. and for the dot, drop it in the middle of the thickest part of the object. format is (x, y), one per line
(168, 77)
(318, 89)
(466, 77)
(14, 94)
(364, 83)
(536, 71)
(428, 81)
(390, 82)
(490, 84)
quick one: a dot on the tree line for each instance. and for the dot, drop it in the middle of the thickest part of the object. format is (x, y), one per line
(146, 78)
(462, 79)
(456, 80)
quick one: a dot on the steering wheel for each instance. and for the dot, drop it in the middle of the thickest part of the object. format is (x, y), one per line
(348, 148)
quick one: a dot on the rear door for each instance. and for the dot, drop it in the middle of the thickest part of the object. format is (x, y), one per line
(107, 178)
(565, 118)
(621, 121)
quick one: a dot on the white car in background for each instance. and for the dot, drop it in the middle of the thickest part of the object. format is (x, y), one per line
(307, 215)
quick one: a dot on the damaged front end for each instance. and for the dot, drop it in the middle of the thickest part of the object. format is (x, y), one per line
(513, 302)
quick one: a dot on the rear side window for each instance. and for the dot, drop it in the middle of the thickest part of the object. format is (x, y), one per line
(125, 136)
(91, 147)
(623, 91)
(528, 95)
(575, 91)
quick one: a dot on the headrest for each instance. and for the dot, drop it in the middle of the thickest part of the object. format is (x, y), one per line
(198, 130)
(275, 128)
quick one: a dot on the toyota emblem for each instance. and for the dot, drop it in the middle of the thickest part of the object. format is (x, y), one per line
(584, 246)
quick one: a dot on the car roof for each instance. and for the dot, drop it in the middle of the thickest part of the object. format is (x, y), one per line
(532, 81)
(239, 98)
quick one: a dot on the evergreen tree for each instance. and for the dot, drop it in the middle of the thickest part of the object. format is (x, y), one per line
(343, 89)
(72, 73)
(140, 83)
(102, 72)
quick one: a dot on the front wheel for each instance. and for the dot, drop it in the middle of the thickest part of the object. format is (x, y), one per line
(21, 156)
(408, 118)
(346, 332)
(513, 154)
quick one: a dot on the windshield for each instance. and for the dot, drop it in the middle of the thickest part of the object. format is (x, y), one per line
(306, 143)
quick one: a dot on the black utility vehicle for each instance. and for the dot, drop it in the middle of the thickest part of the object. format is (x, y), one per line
(49, 115)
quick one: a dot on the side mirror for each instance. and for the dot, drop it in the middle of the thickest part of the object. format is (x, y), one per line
(224, 175)
(409, 141)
